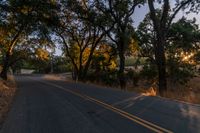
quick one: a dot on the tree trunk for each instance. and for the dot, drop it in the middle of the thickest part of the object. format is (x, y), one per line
(81, 77)
(74, 73)
(121, 75)
(86, 67)
(80, 70)
(4, 71)
(161, 64)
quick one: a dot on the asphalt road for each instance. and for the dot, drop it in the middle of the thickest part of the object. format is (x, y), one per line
(44, 106)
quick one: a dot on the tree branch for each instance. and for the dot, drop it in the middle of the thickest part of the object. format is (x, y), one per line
(153, 15)
(176, 11)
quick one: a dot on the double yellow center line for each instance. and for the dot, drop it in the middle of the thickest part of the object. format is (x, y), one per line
(129, 116)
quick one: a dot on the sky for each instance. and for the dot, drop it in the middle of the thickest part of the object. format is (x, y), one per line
(140, 13)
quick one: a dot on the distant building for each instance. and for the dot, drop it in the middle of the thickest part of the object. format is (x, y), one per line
(26, 71)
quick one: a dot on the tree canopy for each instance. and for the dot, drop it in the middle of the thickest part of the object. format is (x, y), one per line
(96, 36)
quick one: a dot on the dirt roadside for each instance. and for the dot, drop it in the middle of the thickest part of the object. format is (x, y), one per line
(7, 92)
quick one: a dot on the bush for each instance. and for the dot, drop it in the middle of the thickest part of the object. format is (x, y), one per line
(181, 73)
(109, 78)
(133, 77)
(92, 77)
(149, 72)
(105, 77)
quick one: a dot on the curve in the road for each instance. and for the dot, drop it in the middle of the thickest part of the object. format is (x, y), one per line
(129, 116)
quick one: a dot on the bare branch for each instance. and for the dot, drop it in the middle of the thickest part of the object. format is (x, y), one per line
(178, 8)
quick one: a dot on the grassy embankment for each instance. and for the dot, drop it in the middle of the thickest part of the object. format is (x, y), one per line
(7, 92)
(189, 92)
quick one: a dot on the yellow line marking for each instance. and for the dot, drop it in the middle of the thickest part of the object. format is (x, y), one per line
(129, 116)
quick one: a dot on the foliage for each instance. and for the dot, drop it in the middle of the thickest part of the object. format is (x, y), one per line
(16, 27)
(42, 54)
(92, 33)
(182, 44)
(185, 35)
(146, 37)
(105, 77)
(149, 72)
(162, 22)
(134, 77)
(180, 72)
(60, 64)
(104, 58)
(80, 34)
(122, 34)
(184, 38)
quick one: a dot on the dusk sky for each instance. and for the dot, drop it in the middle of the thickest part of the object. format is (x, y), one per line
(139, 14)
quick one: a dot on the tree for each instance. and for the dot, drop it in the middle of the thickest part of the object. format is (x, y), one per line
(146, 36)
(80, 33)
(161, 24)
(29, 50)
(104, 59)
(120, 14)
(183, 45)
(16, 23)
(60, 64)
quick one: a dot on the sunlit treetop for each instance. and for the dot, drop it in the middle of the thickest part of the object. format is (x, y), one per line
(42, 54)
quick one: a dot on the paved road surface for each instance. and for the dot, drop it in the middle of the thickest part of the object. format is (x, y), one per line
(43, 106)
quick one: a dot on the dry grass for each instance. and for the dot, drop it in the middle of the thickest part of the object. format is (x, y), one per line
(145, 88)
(7, 92)
(52, 77)
(63, 77)
(187, 93)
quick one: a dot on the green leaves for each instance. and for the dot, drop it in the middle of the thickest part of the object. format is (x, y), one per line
(184, 34)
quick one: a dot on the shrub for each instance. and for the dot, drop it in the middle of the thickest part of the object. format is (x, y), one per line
(133, 77)
(109, 78)
(92, 77)
(149, 72)
(105, 77)
(180, 73)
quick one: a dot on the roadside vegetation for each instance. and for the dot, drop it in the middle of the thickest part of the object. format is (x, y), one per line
(7, 93)
(100, 43)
